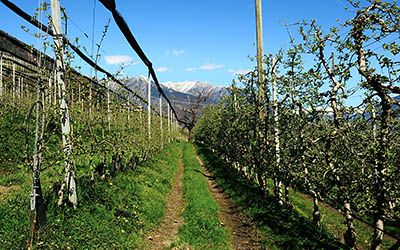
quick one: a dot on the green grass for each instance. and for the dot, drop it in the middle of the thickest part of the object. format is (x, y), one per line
(202, 229)
(96, 223)
(281, 227)
(334, 221)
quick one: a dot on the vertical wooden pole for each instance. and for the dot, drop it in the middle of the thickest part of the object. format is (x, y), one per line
(141, 116)
(169, 123)
(22, 87)
(129, 114)
(13, 83)
(149, 108)
(19, 88)
(261, 94)
(70, 184)
(161, 123)
(49, 91)
(54, 87)
(90, 101)
(260, 55)
(1, 74)
(108, 106)
(276, 134)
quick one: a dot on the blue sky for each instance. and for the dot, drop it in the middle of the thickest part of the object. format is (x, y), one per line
(207, 40)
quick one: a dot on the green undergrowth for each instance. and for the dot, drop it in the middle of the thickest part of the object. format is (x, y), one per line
(112, 214)
(202, 228)
(281, 227)
(334, 221)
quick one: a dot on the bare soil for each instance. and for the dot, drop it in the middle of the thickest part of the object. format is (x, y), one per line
(4, 190)
(243, 232)
(167, 232)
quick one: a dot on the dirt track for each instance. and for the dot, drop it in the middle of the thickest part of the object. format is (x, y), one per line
(243, 233)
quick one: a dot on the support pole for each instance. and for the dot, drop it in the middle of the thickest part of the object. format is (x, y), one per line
(129, 115)
(260, 55)
(22, 87)
(149, 108)
(13, 83)
(261, 96)
(108, 106)
(169, 123)
(278, 181)
(69, 185)
(161, 123)
(1, 74)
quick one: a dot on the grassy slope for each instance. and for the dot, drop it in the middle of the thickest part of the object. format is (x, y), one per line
(281, 227)
(96, 223)
(333, 220)
(202, 229)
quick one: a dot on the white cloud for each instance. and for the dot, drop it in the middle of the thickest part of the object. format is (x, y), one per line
(239, 71)
(175, 52)
(178, 52)
(163, 69)
(120, 60)
(211, 66)
(191, 69)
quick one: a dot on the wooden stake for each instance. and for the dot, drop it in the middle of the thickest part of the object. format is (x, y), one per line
(149, 108)
(260, 55)
(70, 183)
(161, 123)
(1, 75)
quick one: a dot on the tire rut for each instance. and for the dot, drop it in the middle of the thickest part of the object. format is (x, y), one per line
(242, 231)
(167, 233)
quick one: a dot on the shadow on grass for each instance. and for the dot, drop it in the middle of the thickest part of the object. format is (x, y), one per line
(282, 227)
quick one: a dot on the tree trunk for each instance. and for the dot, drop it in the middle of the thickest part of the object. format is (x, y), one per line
(382, 165)
(278, 190)
(287, 188)
(350, 236)
(316, 215)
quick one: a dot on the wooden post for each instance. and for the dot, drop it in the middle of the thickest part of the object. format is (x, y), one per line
(1, 74)
(49, 91)
(261, 94)
(13, 83)
(129, 115)
(90, 101)
(108, 106)
(19, 88)
(55, 89)
(169, 123)
(149, 108)
(22, 87)
(141, 116)
(260, 55)
(161, 123)
(278, 181)
(70, 184)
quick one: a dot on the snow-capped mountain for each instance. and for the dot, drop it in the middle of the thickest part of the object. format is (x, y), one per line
(214, 93)
(179, 91)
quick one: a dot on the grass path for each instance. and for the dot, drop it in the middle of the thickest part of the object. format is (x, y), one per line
(202, 228)
(163, 236)
(242, 231)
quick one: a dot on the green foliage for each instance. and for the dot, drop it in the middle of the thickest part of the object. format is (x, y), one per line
(311, 140)
(99, 222)
(281, 227)
(202, 228)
